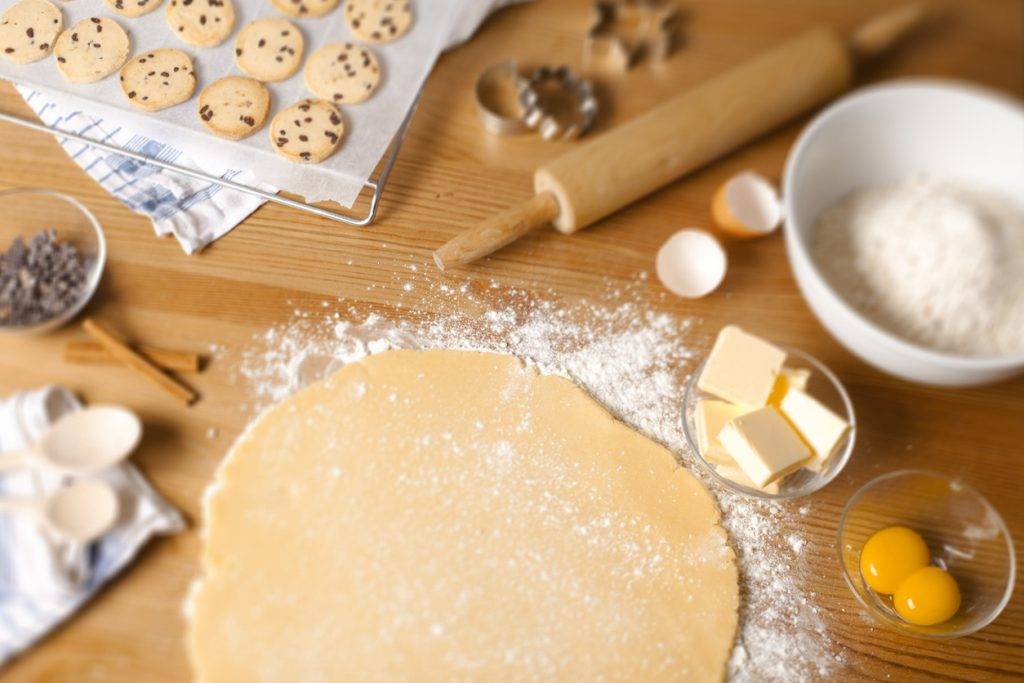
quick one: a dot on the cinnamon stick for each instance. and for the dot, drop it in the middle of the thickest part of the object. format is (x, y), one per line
(90, 352)
(119, 350)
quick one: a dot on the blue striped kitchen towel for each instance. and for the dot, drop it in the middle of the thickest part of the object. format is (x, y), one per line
(195, 212)
(44, 579)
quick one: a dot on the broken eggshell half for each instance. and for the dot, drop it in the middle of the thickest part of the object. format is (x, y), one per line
(691, 263)
(747, 206)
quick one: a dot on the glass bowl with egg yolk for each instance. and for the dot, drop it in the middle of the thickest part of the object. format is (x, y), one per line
(926, 554)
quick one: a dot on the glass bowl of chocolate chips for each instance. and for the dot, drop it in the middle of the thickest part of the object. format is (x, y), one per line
(52, 254)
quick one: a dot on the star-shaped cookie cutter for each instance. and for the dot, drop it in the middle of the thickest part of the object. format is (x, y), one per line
(652, 26)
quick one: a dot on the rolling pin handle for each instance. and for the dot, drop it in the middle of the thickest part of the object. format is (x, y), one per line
(497, 231)
(876, 36)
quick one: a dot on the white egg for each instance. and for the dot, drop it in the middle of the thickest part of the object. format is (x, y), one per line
(747, 206)
(691, 263)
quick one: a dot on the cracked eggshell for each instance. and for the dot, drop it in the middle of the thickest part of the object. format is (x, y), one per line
(691, 263)
(747, 206)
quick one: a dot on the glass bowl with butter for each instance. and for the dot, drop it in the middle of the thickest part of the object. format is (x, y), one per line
(767, 421)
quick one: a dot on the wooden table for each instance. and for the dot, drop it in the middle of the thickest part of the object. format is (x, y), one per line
(451, 174)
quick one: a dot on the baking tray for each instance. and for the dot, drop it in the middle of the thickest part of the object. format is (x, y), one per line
(371, 126)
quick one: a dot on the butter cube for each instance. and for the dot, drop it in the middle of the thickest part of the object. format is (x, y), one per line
(710, 416)
(789, 378)
(764, 445)
(734, 473)
(796, 378)
(819, 427)
(741, 368)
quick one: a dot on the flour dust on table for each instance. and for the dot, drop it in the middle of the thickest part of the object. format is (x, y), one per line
(633, 361)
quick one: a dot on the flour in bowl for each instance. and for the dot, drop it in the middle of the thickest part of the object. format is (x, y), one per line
(937, 262)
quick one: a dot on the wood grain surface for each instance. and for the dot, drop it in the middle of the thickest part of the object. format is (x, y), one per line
(450, 175)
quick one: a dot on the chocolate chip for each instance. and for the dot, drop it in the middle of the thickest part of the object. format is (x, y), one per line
(41, 279)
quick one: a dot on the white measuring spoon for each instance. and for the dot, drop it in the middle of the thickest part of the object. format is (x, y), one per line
(80, 512)
(82, 442)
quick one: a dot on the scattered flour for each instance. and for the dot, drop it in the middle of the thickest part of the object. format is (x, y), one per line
(936, 262)
(633, 361)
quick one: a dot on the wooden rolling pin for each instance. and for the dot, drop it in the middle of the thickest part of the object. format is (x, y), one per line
(693, 128)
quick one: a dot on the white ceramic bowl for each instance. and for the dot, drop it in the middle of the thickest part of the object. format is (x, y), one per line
(884, 134)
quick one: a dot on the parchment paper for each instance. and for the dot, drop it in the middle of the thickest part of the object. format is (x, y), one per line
(371, 125)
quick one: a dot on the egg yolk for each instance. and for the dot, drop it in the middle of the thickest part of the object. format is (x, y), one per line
(890, 556)
(929, 596)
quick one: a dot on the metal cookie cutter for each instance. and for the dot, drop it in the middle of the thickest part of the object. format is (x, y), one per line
(498, 102)
(625, 30)
(558, 103)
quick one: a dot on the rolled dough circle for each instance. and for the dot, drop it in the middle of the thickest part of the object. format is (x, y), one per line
(454, 514)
